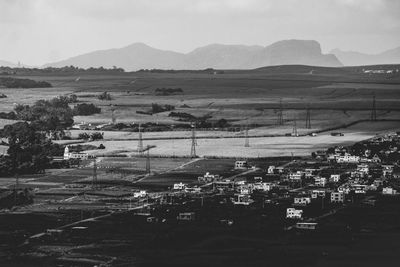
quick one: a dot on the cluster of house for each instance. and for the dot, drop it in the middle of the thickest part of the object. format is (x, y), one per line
(336, 177)
(380, 71)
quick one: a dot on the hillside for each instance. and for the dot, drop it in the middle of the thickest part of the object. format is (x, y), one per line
(141, 56)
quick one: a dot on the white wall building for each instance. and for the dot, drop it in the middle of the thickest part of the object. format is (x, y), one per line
(389, 191)
(337, 197)
(334, 178)
(179, 186)
(241, 164)
(320, 181)
(293, 213)
(271, 169)
(302, 201)
(74, 155)
(347, 158)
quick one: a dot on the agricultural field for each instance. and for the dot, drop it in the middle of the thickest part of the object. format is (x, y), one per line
(259, 146)
(337, 98)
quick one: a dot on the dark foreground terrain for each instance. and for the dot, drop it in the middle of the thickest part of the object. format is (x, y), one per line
(358, 235)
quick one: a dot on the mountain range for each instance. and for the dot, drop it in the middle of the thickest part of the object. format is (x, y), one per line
(141, 56)
(287, 52)
(351, 58)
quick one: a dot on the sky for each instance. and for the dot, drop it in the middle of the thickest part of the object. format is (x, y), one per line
(35, 32)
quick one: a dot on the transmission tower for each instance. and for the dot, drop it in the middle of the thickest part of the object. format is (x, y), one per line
(246, 140)
(280, 113)
(113, 118)
(148, 160)
(373, 110)
(308, 118)
(194, 142)
(294, 132)
(94, 179)
(140, 144)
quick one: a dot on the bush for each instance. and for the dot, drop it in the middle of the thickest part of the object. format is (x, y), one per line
(156, 108)
(84, 136)
(105, 96)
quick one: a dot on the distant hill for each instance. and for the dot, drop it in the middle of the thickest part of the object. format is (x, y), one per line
(4, 63)
(141, 56)
(351, 58)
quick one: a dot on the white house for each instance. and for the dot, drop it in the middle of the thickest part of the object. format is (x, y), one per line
(337, 197)
(241, 199)
(74, 155)
(179, 186)
(347, 158)
(320, 181)
(241, 164)
(387, 170)
(389, 191)
(186, 216)
(302, 201)
(296, 176)
(206, 178)
(318, 193)
(293, 213)
(141, 193)
(306, 225)
(264, 186)
(271, 169)
(334, 178)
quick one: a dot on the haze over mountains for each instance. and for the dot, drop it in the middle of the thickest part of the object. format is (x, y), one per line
(141, 56)
(288, 52)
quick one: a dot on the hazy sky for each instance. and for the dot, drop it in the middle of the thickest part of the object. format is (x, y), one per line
(40, 31)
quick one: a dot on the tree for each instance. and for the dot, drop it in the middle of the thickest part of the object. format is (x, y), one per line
(28, 150)
(85, 109)
(84, 136)
(96, 136)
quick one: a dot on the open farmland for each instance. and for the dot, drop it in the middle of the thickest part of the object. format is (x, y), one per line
(337, 98)
(241, 97)
(259, 146)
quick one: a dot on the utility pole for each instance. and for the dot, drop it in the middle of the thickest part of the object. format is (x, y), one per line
(246, 140)
(16, 188)
(113, 118)
(308, 118)
(94, 179)
(294, 132)
(148, 160)
(373, 110)
(194, 143)
(140, 143)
